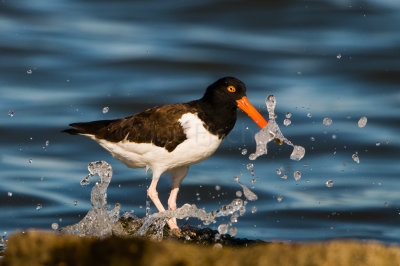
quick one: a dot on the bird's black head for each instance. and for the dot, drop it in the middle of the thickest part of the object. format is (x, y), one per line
(226, 94)
(225, 91)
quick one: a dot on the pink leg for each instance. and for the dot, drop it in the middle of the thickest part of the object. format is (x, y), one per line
(172, 203)
(177, 175)
(153, 194)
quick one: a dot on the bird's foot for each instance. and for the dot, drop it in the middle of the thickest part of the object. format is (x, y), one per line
(176, 232)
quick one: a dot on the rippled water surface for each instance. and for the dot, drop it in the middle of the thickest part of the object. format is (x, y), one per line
(64, 61)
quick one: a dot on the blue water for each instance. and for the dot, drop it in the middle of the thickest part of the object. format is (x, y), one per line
(332, 58)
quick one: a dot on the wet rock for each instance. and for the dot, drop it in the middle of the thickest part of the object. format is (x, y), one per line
(45, 248)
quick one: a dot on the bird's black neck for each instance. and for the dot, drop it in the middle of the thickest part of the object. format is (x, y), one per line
(219, 117)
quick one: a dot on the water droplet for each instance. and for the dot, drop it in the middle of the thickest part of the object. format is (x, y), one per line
(297, 175)
(250, 195)
(312, 138)
(38, 207)
(298, 153)
(239, 193)
(217, 187)
(54, 226)
(233, 231)
(85, 181)
(378, 143)
(11, 113)
(278, 171)
(242, 210)
(284, 176)
(217, 246)
(223, 229)
(338, 56)
(75, 202)
(279, 198)
(47, 143)
(334, 136)
(327, 121)
(30, 161)
(253, 209)
(148, 207)
(29, 71)
(288, 115)
(249, 166)
(329, 183)
(234, 217)
(362, 122)
(271, 102)
(309, 115)
(287, 122)
(9, 194)
(105, 109)
(244, 151)
(355, 158)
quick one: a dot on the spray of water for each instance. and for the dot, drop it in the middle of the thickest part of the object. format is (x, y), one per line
(272, 132)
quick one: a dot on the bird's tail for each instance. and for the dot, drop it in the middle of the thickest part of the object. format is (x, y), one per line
(90, 128)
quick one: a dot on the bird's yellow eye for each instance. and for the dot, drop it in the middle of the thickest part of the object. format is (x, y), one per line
(231, 89)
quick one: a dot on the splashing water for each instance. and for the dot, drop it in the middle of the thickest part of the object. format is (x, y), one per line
(223, 229)
(362, 122)
(102, 222)
(156, 222)
(327, 121)
(297, 175)
(272, 132)
(105, 109)
(98, 221)
(279, 198)
(355, 158)
(250, 195)
(329, 183)
(54, 226)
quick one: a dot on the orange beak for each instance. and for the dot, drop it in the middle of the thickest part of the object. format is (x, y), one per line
(249, 109)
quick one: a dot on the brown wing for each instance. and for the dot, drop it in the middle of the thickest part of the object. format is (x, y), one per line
(158, 125)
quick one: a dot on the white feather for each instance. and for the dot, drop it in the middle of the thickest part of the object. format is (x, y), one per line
(199, 145)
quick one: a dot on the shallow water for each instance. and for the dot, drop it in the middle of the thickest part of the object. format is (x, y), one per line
(64, 61)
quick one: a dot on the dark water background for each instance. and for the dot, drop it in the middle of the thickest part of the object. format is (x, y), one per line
(332, 58)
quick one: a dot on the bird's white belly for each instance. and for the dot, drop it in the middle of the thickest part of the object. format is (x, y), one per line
(199, 145)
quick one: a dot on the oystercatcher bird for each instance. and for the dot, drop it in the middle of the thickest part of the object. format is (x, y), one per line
(172, 137)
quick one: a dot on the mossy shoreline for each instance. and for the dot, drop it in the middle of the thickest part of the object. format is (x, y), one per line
(47, 248)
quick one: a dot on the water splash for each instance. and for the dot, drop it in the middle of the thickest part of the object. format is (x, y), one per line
(297, 175)
(329, 183)
(102, 222)
(355, 158)
(250, 195)
(99, 220)
(272, 132)
(155, 223)
(362, 122)
(327, 121)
